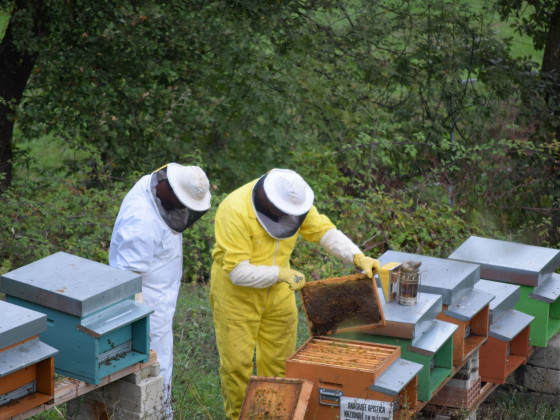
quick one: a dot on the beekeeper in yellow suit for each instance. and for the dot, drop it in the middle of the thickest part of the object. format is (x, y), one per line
(252, 284)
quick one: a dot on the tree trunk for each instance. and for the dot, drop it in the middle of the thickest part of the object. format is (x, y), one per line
(15, 68)
(551, 57)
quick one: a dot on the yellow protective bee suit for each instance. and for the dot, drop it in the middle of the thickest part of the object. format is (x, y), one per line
(248, 317)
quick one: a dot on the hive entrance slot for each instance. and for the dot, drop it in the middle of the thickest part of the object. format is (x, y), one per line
(18, 393)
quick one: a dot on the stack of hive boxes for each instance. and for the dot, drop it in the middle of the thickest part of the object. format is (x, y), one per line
(530, 267)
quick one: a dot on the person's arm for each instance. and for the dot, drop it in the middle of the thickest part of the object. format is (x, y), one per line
(261, 276)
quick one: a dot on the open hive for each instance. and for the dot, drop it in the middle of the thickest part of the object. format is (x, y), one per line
(349, 376)
(275, 398)
(342, 304)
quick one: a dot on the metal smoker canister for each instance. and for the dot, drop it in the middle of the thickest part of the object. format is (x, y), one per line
(408, 283)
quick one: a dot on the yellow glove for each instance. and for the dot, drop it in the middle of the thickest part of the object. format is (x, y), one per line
(367, 264)
(294, 278)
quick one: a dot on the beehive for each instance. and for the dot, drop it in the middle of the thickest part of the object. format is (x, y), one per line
(26, 363)
(508, 346)
(92, 318)
(348, 303)
(532, 268)
(276, 398)
(422, 338)
(353, 378)
(462, 304)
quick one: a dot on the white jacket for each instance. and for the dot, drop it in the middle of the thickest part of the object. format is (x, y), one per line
(142, 242)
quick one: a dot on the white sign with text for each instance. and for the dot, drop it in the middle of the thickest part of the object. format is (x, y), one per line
(360, 409)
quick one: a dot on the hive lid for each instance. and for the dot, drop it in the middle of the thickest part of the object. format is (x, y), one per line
(509, 325)
(433, 338)
(114, 317)
(548, 290)
(18, 324)
(409, 321)
(439, 276)
(505, 296)
(342, 304)
(70, 284)
(508, 261)
(276, 398)
(468, 304)
(396, 377)
(23, 355)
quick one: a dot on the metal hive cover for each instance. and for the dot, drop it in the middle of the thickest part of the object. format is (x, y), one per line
(509, 261)
(440, 276)
(70, 284)
(505, 296)
(18, 324)
(409, 321)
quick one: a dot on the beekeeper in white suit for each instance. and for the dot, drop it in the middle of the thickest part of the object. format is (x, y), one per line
(147, 239)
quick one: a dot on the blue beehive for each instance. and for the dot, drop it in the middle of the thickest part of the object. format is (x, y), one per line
(92, 317)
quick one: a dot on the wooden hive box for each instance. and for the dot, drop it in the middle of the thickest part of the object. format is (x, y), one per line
(92, 318)
(355, 379)
(508, 346)
(26, 363)
(471, 334)
(276, 398)
(339, 304)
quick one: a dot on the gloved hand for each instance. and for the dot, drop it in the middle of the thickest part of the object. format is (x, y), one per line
(295, 279)
(367, 264)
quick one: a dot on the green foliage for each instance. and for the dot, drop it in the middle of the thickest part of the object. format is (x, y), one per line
(41, 218)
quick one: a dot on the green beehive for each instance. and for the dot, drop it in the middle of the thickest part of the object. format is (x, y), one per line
(529, 266)
(423, 339)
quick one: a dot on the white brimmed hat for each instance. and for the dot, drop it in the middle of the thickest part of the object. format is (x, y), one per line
(191, 186)
(288, 191)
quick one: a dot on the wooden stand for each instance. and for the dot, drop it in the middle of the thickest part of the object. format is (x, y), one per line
(66, 389)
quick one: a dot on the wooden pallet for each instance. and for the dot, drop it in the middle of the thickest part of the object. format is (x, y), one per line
(66, 389)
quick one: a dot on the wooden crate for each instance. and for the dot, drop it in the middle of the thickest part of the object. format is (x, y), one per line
(43, 375)
(276, 398)
(343, 373)
(499, 359)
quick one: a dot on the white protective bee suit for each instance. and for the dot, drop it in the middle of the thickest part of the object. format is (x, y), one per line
(147, 240)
